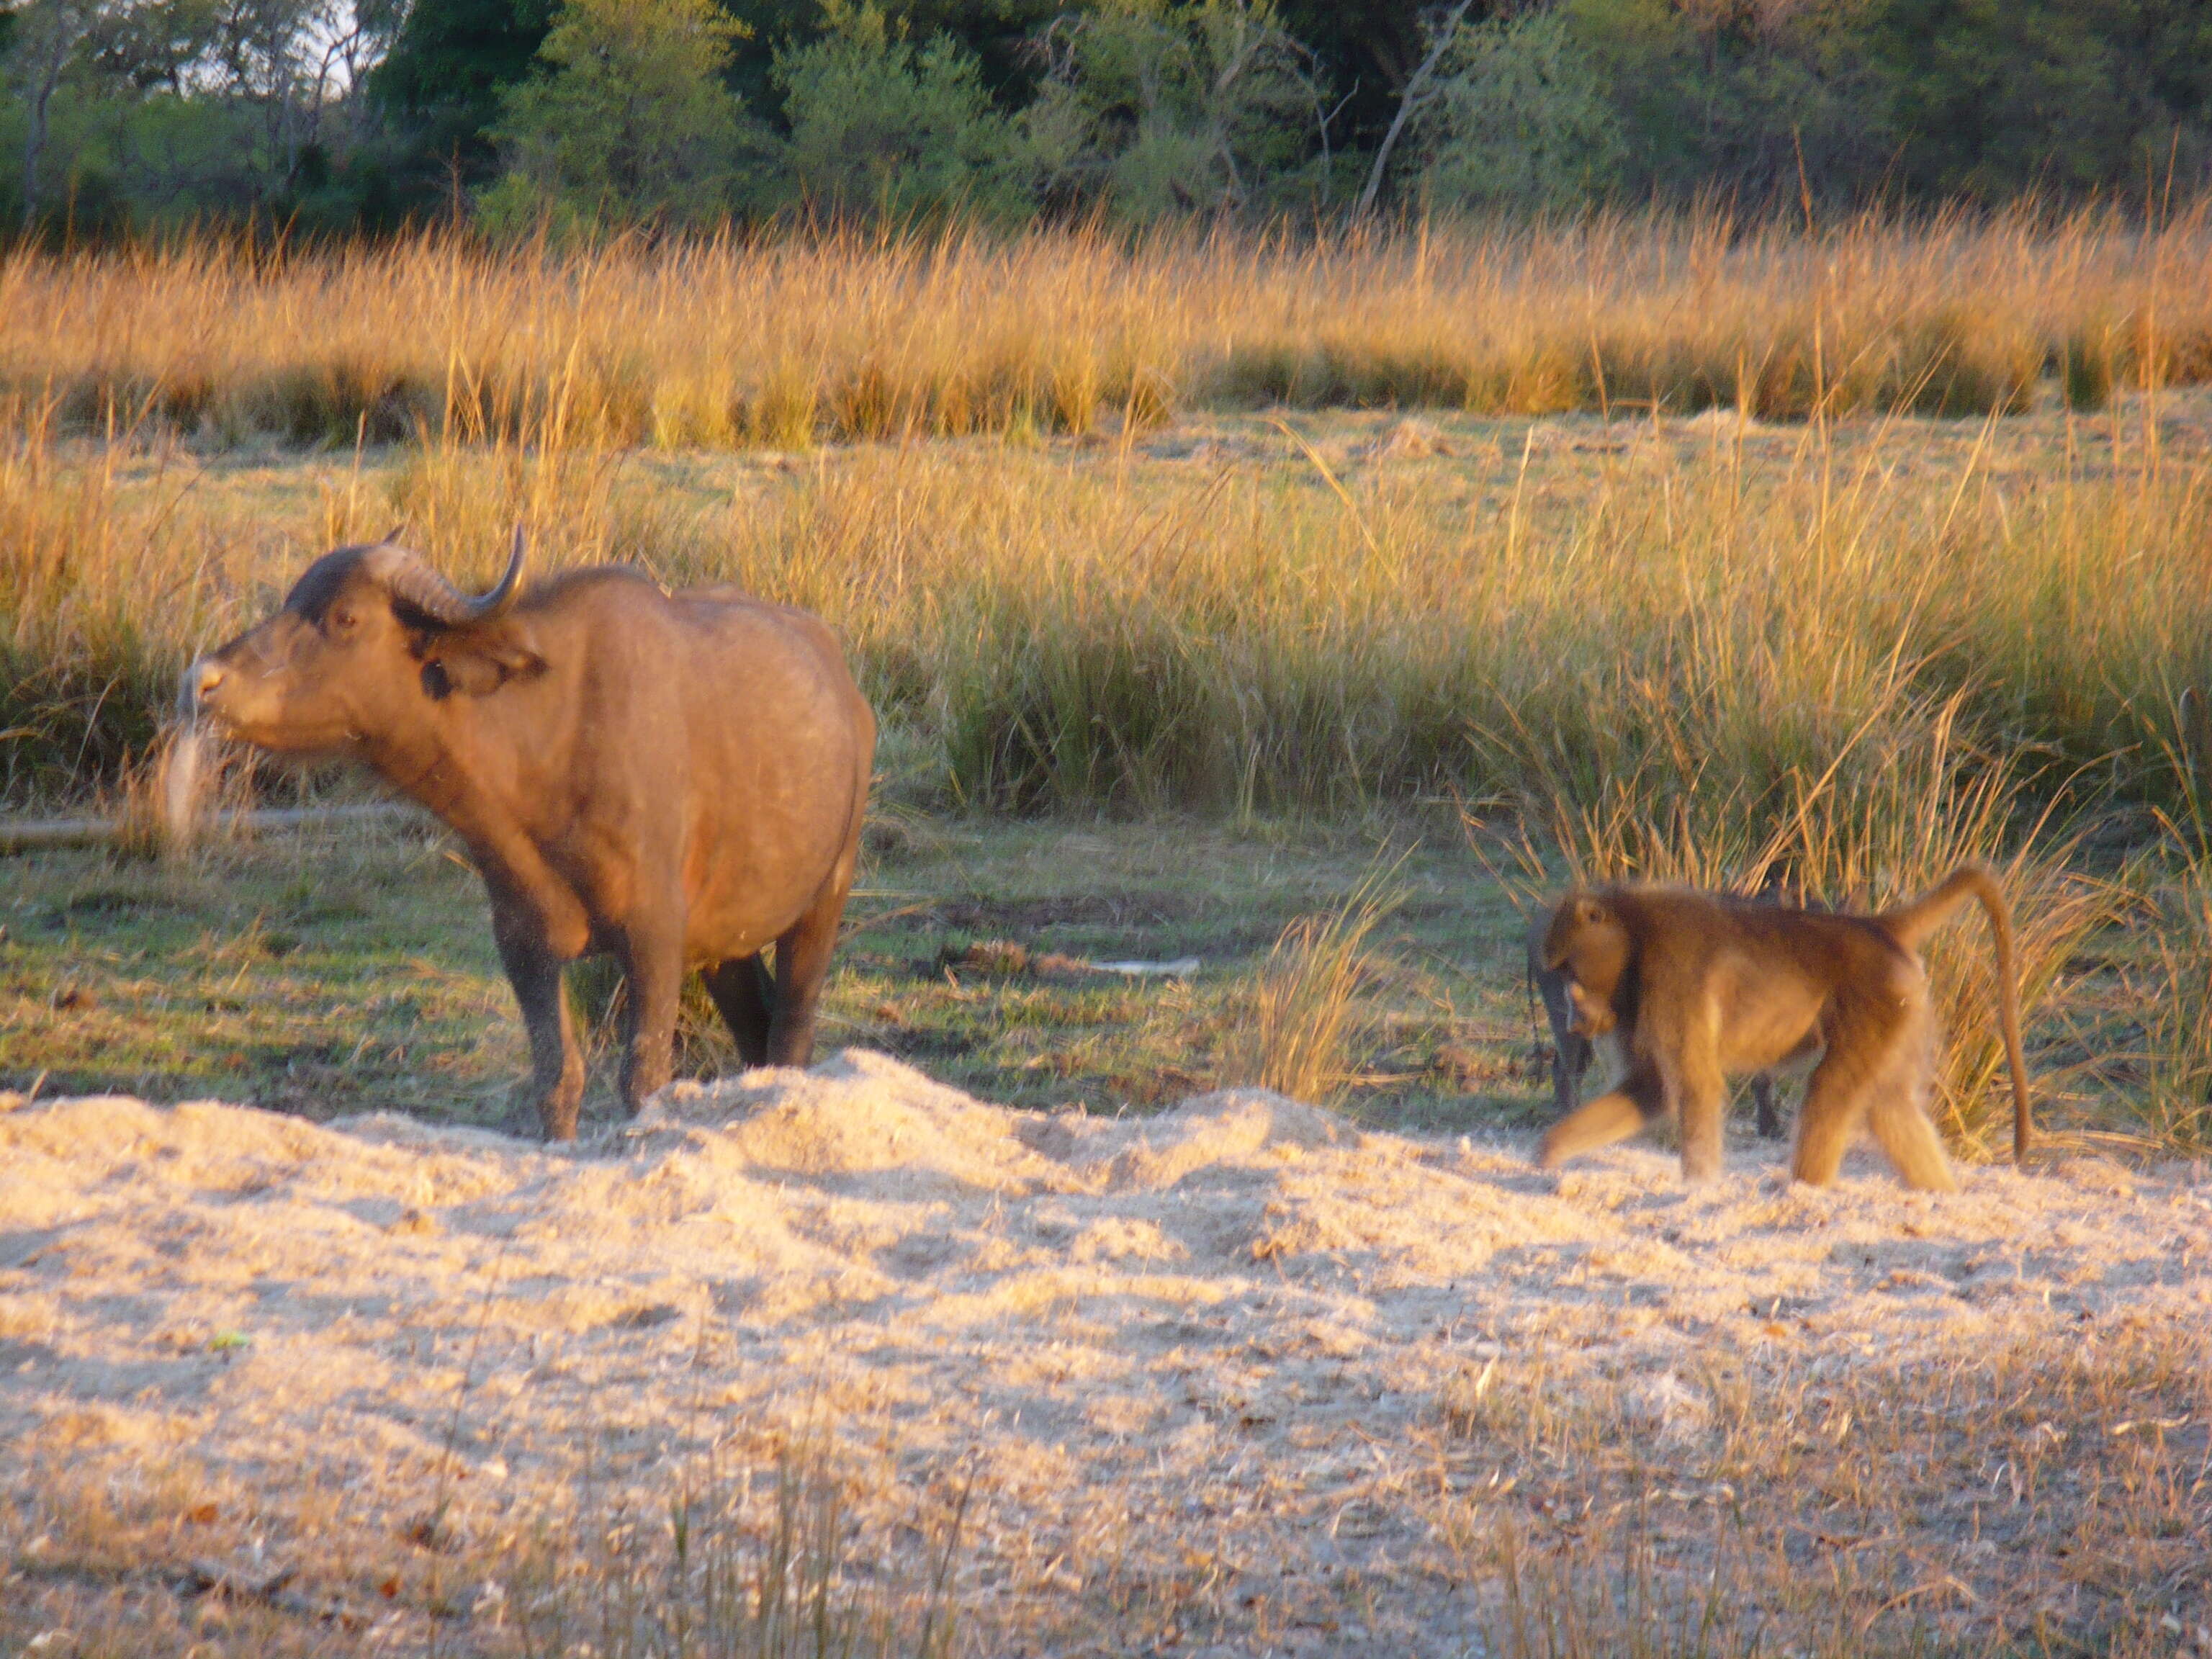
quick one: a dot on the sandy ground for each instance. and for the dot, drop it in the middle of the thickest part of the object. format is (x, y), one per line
(1199, 1352)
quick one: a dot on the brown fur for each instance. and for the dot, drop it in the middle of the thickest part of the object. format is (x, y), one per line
(1695, 987)
(674, 778)
(1572, 1052)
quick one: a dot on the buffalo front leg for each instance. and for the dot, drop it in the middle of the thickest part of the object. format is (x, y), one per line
(652, 970)
(556, 1069)
(745, 995)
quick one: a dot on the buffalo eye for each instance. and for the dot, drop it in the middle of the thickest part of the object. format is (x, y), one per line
(342, 620)
(437, 684)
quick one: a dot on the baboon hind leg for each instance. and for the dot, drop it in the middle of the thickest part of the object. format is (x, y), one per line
(1869, 1049)
(1898, 1115)
(1762, 1097)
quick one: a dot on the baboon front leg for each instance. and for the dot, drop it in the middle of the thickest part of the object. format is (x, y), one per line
(1571, 1059)
(1613, 1115)
(745, 997)
(1701, 1094)
(1570, 1049)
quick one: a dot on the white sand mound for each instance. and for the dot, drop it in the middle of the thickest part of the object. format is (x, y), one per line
(1224, 1328)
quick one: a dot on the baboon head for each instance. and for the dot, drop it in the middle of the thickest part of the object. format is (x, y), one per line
(1588, 943)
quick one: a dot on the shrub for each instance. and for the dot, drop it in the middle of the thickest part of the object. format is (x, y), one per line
(632, 122)
(881, 124)
(1519, 117)
(1157, 108)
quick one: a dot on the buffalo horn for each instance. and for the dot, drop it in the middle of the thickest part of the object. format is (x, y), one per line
(410, 577)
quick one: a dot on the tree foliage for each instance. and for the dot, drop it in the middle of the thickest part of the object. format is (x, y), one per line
(629, 119)
(881, 123)
(1519, 116)
(352, 113)
(1156, 108)
(185, 108)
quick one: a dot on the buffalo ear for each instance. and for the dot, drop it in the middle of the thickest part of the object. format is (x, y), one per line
(478, 661)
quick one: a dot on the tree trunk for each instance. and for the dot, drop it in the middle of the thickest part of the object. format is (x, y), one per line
(34, 140)
(1406, 101)
(64, 25)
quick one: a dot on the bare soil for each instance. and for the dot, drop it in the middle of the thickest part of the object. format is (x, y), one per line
(1238, 1378)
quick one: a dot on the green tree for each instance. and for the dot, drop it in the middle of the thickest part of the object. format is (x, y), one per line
(1362, 53)
(452, 62)
(47, 39)
(881, 124)
(1741, 95)
(1163, 106)
(1518, 117)
(1998, 96)
(996, 35)
(629, 122)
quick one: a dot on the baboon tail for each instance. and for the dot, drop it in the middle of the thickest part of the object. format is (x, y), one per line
(1912, 923)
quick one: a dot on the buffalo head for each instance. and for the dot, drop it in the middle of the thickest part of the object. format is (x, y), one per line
(366, 637)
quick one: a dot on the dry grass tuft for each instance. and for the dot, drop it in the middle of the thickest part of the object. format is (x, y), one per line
(1300, 1028)
(157, 1557)
(2178, 1095)
(705, 1579)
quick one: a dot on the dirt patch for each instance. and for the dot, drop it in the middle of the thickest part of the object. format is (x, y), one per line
(1081, 910)
(1193, 1361)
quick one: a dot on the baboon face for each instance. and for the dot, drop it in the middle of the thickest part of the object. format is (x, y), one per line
(1589, 944)
(1594, 1015)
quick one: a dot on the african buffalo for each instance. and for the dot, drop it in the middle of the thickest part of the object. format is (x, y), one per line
(676, 778)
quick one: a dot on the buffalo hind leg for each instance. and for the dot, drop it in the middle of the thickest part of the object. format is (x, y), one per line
(556, 1068)
(745, 995)
(802, 963)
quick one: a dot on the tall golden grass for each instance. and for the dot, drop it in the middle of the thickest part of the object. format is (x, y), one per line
(1860, 656)
(1053, 627)
(848, 335)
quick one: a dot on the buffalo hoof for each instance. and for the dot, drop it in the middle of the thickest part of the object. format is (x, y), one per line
(528, 1119)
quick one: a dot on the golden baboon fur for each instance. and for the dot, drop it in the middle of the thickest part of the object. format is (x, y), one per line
(1692, 987)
